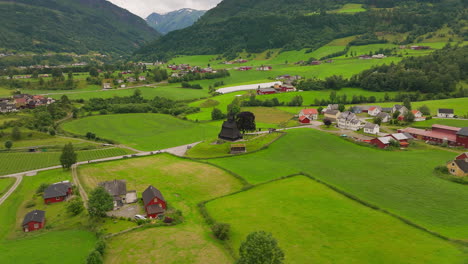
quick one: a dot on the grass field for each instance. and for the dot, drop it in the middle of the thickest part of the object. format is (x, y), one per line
(183, 184)
(401, 182)
(143, 131)
(5, 184)
(350, 9)
(50, 245)
(269, 115)
(13, 162)
(298, 211)
(441, 121)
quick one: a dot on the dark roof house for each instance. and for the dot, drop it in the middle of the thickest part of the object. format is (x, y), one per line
(57, 190)
(463, 131)
(34, 216)
(150, 193)
(115, 187)
(462, 164)
(445, 111)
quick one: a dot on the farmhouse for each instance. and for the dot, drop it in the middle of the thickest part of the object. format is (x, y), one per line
(387, 109)
(356, 109)
(131, 79)
(262, 91)
(445, 113)
(118, 190)
(400, 108)
(402, 138)
(57, 192)
(7, 107)
(244, 68)
(141, 78)
(332, 114)
(453, 136)
(348, 120)
(365, 108)
(33, 220)
(154, 202)
(418, 116)
(229, 130)
(385, 117)
(374, 110)
(371, 128)
(332, 107)
(308, 114)
(381, 142)
(458, 167)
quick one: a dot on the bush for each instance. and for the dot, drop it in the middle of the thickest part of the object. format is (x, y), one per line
(42, 188)
(101, 246)
(441, 169)
(221, 231)
(75, 206)
(94, 258)
(30, 204)
(168, 220)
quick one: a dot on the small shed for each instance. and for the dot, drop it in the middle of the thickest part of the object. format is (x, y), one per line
(238, 148)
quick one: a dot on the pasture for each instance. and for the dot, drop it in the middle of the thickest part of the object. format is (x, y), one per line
(46, 245)
(314, 224)
(13, 162)
(400, 182)
(183, 184)
(5, 184)
(143, 131)
(441, 121)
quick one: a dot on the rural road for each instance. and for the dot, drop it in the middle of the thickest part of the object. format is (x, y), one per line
(178, 151)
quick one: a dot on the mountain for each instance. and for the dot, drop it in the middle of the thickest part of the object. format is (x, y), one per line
(179, 19)
(255, 26)
(70, 26)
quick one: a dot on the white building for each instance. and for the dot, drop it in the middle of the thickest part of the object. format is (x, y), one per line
(445, 113)
(374, 110)
(348, 120)
(372, 128)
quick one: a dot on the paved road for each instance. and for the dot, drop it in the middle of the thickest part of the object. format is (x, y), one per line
(178, 151)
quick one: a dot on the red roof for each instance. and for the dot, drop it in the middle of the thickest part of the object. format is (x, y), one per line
(433, 134)
(415, 111)
(456, 129)
(372, 108)
(301, 118)
(311, 111)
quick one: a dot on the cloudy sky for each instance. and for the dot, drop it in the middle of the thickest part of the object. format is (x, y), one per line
(145, 7)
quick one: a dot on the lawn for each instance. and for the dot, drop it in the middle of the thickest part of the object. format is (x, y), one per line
(350, 9)
(13, 162)
(5, 184)
(143, 131)
(314, 224)
(441, 121)
(49, 245)
(183, 184)
(401, 182)
(269, 115)
(210, 149)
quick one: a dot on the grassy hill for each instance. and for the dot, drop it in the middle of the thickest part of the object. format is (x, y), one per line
(70, 26)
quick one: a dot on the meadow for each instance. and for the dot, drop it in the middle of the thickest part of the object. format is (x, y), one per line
(298, 210)
(441, 121)
(350, 9)
(401, 182)
(143, 131)
(13, 162)
(183, 184)
(5, 184)
(50, 245)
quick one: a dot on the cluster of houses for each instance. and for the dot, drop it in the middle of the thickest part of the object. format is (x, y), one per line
(184, 69)
(234, 61)
(459, 166)
(121, 83)
(277, 88)
(375, 56)
(23, 101)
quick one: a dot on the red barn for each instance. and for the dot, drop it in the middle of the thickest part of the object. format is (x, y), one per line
(154, 202)
(304, 120)
(381, 142)
(34, 220)
(463, 156)
(462, 137)
(57, 192)
(262, 91)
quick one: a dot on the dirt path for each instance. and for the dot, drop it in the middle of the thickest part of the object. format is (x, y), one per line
(76, 180)
(12, 189)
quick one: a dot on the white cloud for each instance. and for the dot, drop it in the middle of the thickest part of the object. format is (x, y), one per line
(145, 7)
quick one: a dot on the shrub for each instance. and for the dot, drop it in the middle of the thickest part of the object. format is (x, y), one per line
(75, 206)
(101, 246)
(221, 231)
(441, 169)
(94, 258)
(42, 188)
(168, 220)
(30, 204)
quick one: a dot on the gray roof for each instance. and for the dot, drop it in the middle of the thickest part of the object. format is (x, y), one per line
(154, 209)
(34, 216)
(333, 106)
(115, 187)
(445, 110)
(386, 109)
(462, 164)
(397, 106)
(370, 126)
(267, 89)
(332, 112)
(463, 131)
(355, 121)
(56, 190)
(383, 115)
(347, 115)
(150, 193)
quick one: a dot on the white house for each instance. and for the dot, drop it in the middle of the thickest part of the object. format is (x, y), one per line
(371, 128)
(348, 120)
(312, 114)
(418, 116)
(141, 78)
(445, 113)
(106, 86)
(385, 117)
(374, 110)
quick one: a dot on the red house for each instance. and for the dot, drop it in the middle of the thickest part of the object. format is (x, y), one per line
(57, 192)
(463, 156)
(34, 220)
(304, 120)
(154, 202)
(381, 142)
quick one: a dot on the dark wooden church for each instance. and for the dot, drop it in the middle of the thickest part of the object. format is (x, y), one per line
(230, 131)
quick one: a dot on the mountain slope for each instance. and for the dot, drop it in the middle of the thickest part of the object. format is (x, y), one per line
(254, 26)
(175, 20)
(70, 26)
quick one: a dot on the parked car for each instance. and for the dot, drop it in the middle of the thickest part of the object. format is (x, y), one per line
(140, 217)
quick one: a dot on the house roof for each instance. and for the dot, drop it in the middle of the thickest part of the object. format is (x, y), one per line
(371, 126)
(150, 193)
(310, 111)
(332, 112)
(372, 108)
(399, 136)
(34, 216)
(464, 153)
(414, 111)
(463, 131)
(154, 209)
(445, 111)
(385, 140)
(383, 115)
(455, 129)
(301, 118)
(56, 190)
(408, 135)
(462, 164)
(347, 115)
(433, 134)
(115, 187)
(267, 89)
(386, 109)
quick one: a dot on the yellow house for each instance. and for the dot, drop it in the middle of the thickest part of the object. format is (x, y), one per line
(332, 115)
(458, 167)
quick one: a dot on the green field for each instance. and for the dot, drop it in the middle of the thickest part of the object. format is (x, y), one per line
(314, 224)
(183, 184)
(50, 245)
(350, 9)
(143, 131)
(441, 121)
(401, 182)
(13, 162)
(5, 184)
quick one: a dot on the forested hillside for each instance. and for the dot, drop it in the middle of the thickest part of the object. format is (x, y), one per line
(255, 26)
(70, 26)
(179, 19)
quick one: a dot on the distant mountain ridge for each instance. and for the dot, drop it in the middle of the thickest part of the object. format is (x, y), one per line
(78, 26)
(179, 19)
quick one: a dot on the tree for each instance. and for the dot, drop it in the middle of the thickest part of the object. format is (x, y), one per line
(8, 144)
(260, 248)
(396, 114)
(68, 157)
(341, 107)
(296, 101)
(327, 122)
(216, 114)
(409, 117)
(319, 110)
(424, 110)
(245, 121)
(101, 246)
(75, 206)
(16, 133)
(42, 187)
(100, 201)
(221, 230)
(378, 120)
(93, 72)
(94, 258)
(407, 103)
